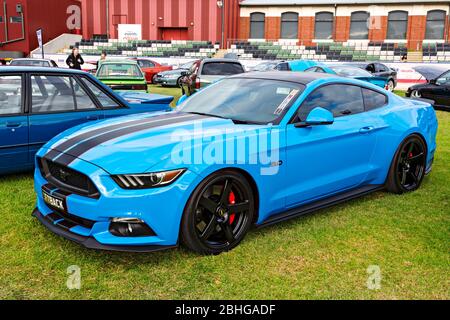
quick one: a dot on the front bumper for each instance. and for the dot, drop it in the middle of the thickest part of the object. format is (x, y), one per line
(60, 228)
(167, 81)
(87, 220)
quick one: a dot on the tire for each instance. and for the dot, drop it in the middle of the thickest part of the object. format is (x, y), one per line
(391, 85)
(415, 94)
(209, 224)
(179, 82)
(408, 166)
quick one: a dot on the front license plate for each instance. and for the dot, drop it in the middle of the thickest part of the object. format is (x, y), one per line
(54, 202)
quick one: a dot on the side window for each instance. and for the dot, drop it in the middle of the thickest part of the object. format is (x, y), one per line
(371, 68)
(10, 94)
(340, 99)
(103, 98)
(380, 68)
(52, 93)
(83, 100)
(145, 64)
(373, 99)
(284, 66)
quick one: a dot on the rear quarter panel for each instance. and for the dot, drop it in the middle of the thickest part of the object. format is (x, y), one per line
(399, 119)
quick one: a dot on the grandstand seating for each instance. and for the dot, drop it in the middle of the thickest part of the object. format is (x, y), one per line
(436, 52)
(147, 48)
(334, 51)
(264, 50)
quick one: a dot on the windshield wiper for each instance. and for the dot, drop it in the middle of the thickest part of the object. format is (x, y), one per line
(206, 114)
(237, 121)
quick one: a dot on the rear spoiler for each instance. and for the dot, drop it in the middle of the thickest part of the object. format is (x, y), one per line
(422, 100)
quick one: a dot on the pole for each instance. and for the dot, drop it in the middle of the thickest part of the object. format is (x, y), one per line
(5, 17)
(107, 18)
(223, 24)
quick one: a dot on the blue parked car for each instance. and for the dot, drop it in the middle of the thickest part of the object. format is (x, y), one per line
(251, 149)
(38, 103)
(350, 72)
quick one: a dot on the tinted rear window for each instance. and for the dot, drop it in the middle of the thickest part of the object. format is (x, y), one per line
(373, 99)
(30, 63)
(221, 68)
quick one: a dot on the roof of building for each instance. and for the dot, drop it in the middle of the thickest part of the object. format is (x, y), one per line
(331, 2)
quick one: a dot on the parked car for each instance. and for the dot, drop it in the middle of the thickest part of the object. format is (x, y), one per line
(204, 72)
(379, 69)
(350, 72)
(172, 78)
(123, 75)
(254, 148)
(437, 87)
(32, 62)
(151, 68)
(38, 103)
(279, 65)
(302, 64)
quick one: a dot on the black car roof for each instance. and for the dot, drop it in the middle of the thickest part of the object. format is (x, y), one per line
(299, 77)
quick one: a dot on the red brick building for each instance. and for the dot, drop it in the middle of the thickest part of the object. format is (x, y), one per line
(19, 20)
(313, 21)
(163, 19)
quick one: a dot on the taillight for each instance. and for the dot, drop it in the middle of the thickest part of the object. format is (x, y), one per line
(139, 87)
(197, 83)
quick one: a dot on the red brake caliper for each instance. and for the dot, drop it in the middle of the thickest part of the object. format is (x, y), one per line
(232, 200)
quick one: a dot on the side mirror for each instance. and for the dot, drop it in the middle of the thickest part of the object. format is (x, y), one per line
(317, 116)
(433, 81)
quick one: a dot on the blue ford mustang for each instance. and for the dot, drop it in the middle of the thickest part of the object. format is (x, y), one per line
(38, 103)
(252, 149)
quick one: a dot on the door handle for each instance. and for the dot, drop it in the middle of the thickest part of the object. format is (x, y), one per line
(92, 118)
(366, 129)
(13, 124)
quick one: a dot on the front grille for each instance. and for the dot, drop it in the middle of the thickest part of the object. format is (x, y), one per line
(69, 218)
(67, 179)
(121, 87)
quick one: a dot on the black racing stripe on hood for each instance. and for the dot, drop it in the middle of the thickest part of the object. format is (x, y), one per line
(77, 139)
(67, 158)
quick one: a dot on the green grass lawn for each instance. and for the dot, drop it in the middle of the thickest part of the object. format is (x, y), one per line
(324, 255)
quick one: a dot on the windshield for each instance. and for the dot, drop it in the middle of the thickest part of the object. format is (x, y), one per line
(350, 71)
(30, 63)
(266, 66)
(122, 70)
(221, 68)
(258, 101)
(187, 65)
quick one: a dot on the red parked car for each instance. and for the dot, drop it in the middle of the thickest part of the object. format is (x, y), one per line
(151, 68)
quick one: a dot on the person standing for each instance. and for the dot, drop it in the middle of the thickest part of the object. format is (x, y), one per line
(74, 60)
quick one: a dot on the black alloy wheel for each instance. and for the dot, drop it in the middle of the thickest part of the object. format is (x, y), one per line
(408, 169)
(218, 214)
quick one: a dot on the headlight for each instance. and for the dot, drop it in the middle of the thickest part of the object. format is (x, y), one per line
(147, 180)
(171, 76)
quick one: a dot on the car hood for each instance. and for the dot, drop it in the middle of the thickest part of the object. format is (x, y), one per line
(133, 97)
(430, 72)
(132, 144)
